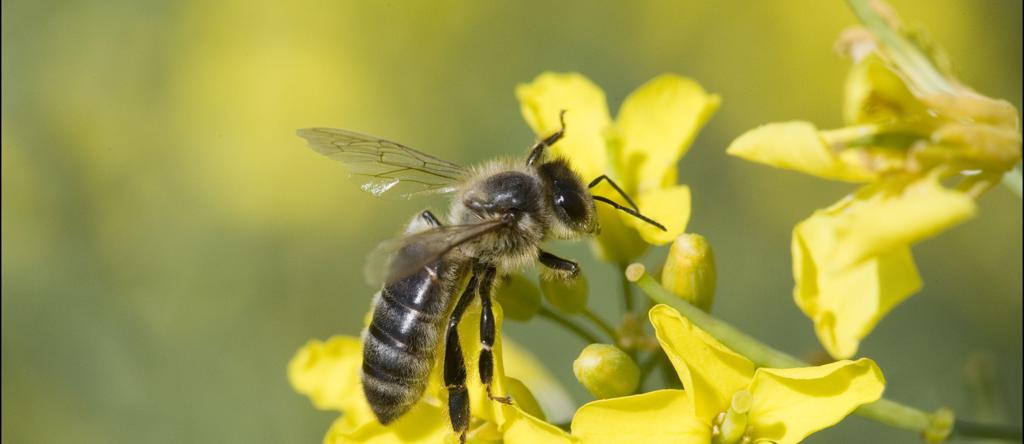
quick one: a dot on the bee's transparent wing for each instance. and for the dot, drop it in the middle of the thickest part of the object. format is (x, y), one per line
(398, 258)
(382, 166)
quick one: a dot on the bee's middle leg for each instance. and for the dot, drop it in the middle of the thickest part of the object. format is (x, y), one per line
(455, 366)
(487, 332)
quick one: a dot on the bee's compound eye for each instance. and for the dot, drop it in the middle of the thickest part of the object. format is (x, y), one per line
(571, 204)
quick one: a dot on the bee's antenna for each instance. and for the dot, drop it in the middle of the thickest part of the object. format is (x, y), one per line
(611, 182)
(629, 211)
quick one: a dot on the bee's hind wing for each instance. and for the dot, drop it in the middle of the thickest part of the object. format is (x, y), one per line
(398, 258)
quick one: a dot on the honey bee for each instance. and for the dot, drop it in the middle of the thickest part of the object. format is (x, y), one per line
(500, 214)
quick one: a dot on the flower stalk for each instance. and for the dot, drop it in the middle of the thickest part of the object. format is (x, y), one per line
(601, 324)
(568, 324)
(885, 411)
(903, 52)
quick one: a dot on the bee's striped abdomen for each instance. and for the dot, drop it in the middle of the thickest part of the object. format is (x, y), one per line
(401, 342)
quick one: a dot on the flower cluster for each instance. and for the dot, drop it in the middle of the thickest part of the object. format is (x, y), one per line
(725, 399)
(640, 150)
(923, 145)
(328, 373)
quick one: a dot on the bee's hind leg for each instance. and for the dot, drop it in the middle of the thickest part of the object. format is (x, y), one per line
(487, 331)
(455, 366)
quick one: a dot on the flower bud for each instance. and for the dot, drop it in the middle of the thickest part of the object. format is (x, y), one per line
(519, 298)
(566, 295)
(606, 371)
(689, 271)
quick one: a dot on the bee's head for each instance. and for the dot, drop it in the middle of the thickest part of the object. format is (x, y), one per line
(570, 200)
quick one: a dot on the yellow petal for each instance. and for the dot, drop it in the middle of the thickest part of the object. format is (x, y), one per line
(894, 213)
(424, 423)
(876, 94)
(552, 398)
(328, 373)
(338, 428)
(710, 372)
(524, 398)
(797, 146)
(667, 206)
(846, 303)
(586, 118)
(790, 404)
(618, 242)
(657, 123)
(663, 416)
(523, 428)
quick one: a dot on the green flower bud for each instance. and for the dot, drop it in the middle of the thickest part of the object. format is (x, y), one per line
(690, 270)
(519, 298)
(566, 295)
(606, 371)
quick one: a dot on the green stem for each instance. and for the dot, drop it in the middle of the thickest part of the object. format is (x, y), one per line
(993, 431)
(602, 325)
(627, 292)
(900, 51)
(629, 306)
(884, 410)
(583, 333)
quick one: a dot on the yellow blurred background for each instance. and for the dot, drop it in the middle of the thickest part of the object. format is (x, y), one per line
(169, 243)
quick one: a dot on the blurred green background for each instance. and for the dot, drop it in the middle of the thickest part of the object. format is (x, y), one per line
(169, 243)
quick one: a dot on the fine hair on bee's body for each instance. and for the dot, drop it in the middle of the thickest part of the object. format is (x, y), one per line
(505, 188)
(500, 214)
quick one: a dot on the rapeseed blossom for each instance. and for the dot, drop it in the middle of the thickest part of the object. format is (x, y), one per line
(328, 373)
(639, 150)
(726, 400)
(924, 145)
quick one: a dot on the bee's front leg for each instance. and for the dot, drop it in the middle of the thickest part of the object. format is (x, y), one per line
(455, 366)
(564, 267)
(537, 151)
(487, 331)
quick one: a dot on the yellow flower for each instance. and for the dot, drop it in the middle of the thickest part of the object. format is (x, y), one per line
(725, 399)
(852, 261)
(639, 151)
(911, 129)
(328, 373)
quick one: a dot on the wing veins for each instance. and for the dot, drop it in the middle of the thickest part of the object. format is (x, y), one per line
(406, 172)
(406, 255)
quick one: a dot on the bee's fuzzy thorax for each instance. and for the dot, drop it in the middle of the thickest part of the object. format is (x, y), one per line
(508, 249)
